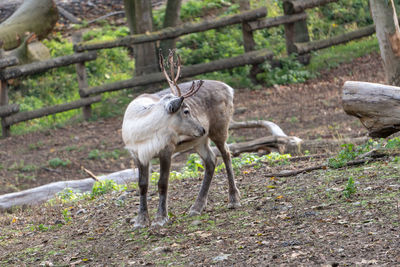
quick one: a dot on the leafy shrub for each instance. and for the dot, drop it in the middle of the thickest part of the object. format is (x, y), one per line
(350, 152)
(57, 162)
(104, 186)
(292, 71)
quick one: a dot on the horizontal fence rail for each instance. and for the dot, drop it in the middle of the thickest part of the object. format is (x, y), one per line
(303, 48)
(297, 41)
(170, 33)
(255, 57)
(29, 115)
(41, 66)
(273, 22)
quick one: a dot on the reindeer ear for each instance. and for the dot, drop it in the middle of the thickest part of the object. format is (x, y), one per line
(174, 104)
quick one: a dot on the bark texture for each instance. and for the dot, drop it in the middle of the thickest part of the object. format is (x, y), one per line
(140, 20)
(376, 105)
(171, 19)
(382, 14)
(37, 16)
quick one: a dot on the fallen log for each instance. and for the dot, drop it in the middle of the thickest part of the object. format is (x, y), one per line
(30, 50)
(43, 193)
(36, 16)
(68, 15)
(376, 105)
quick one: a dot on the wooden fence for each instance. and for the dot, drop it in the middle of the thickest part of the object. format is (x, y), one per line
(297, 41)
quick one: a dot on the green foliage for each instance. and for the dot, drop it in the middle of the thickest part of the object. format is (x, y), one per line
(66, 213)
(57, 162)
(350, 188)
(104, 186)
(337, 18)
(247, 159)
(68, 195)
(291, 71)
(42, 228)
(94, 154)
(393, 143)
(115, 154)
(194, 163)
(350, 152)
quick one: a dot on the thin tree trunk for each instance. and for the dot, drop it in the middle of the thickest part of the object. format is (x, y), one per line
(382, 14)
(171, 19)
(140, 20)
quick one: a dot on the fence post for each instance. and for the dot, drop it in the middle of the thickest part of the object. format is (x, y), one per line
(82, 77)
(296, 32)
(248, 39)
(5, 129)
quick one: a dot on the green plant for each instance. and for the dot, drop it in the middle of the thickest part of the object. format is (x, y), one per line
(94, 154)
(393, 143)
(105, 186)
(194, 163)
(66, 213)
(350, 188)
(41, 227)
(57, 162)
(291, 71)
(350, 152)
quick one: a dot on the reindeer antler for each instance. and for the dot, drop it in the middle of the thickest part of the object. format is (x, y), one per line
(173, 80)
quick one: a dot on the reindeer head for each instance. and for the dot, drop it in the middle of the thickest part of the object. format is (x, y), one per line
(185, 124)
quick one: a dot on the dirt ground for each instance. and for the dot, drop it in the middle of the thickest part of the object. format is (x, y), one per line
(301, 220)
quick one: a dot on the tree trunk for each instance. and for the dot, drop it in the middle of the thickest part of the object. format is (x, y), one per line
(171, 19)
(376, 105)
(37, 16)
(382, 14)
(140, 20)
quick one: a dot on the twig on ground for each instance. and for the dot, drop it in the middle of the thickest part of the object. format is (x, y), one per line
(320, 167)
(91, 174)
(106, 16)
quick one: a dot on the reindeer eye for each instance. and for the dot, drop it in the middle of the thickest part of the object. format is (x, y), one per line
(186, 112)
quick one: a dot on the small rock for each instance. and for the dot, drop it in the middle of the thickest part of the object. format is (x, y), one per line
(310, 213)
(221, 257)
(130, 220)
(81, 211)
(58, 222)
(162, 249)
(123, 196)
(291, 243)
(47, 263)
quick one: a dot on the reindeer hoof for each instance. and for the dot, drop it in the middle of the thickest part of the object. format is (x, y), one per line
(159, 221)
(234, 205)
(141, 221)
(194, 213)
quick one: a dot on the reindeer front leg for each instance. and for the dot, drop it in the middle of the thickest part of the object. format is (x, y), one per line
(142, 219)
(165, 165)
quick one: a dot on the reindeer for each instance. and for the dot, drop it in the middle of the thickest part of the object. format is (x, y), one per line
(160, 124)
